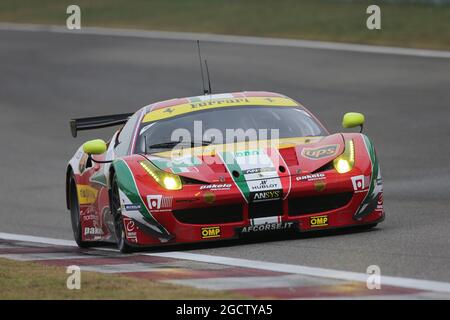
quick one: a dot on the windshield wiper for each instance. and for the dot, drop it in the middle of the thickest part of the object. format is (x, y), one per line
(172, 144)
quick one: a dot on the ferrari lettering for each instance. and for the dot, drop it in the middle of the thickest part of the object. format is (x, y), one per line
(210, 232)
(218, 102)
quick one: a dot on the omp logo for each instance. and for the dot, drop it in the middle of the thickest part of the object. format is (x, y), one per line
(157, 201)
(319, 221)
(267, 195)
(321, 152)
(358, 183)
(210, 232)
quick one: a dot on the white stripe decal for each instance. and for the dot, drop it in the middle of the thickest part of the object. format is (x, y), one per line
(270, 266)
(218, 38)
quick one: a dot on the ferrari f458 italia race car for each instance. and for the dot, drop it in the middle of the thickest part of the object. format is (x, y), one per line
(205, 168)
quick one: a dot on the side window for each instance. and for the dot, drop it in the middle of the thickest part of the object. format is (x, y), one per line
(126, 135)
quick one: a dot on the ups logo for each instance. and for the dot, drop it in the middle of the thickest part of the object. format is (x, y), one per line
(210, 232)
(320, 152)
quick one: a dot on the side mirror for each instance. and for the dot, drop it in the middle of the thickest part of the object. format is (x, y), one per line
(97, 146)
(353, 119)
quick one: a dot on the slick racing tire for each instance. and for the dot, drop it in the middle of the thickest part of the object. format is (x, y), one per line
(122, 243)
(75, 216)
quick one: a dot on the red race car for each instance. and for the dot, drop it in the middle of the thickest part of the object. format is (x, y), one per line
(216, 167)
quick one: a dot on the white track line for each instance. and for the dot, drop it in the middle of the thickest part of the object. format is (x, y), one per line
(218, 38)
(277, 267)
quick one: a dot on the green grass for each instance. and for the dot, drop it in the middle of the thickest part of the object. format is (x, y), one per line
(406, 25)
(27, 280)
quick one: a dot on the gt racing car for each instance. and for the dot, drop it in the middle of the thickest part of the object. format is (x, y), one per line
(216, 167)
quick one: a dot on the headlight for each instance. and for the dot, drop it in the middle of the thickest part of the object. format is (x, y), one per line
(165, 179)
(344, 163)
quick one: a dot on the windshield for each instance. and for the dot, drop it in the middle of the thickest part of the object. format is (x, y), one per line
(227, 125)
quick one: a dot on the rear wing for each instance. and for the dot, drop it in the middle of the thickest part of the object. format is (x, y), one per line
(97, 122)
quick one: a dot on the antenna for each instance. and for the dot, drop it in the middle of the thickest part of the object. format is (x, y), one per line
(207, 74)
(201, 67)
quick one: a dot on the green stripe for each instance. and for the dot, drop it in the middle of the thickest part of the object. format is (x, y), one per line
(371, 199)
(128, 186)
(231, 164)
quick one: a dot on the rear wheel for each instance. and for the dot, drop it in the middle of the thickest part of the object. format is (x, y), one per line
(75, 215)
(122, 243)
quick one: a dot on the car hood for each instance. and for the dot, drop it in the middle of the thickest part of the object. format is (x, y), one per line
(217, 163)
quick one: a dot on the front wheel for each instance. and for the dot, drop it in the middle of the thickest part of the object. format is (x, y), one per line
(75, 215)
(122, 243)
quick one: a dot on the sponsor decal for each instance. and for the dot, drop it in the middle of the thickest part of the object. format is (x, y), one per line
(264, 184)
(257, 170)
(320, 185)
(380, 202)
(159, 202)
(246, 153)
(210, 232)
(266, 195)
(320, 152)
(133, 207)
(130, 229)
(93, 231)
(209, 197)
(224, 186)
(86, 194)
(311, 177)
(319, 221)
(89, 217)
(358, 183)
(268, 227)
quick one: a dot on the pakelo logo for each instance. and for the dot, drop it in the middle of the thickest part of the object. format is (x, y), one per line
(224, 186)
(266, 195)
(93, 231)
(320, 152)
(358, 183)
(159, 202)
(210, 232)
(319, 221)
(311, 177)
(268, 227)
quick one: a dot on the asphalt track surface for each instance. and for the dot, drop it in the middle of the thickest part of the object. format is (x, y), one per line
(46, 79)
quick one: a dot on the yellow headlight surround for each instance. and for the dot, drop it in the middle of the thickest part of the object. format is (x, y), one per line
(345, 162)
(165, 179)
